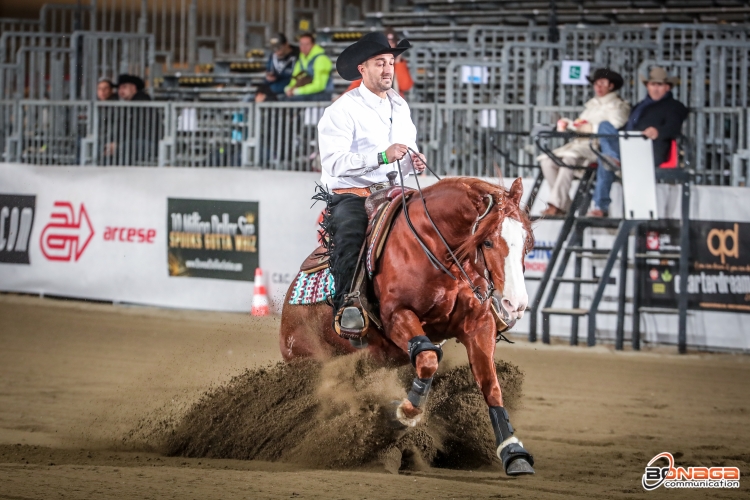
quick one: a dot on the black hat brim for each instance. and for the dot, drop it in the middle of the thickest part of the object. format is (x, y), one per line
(361, 51)
(137, 81)
(615, 78)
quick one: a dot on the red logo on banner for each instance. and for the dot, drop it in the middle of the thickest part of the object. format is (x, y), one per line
(652, 240)
(66, 236)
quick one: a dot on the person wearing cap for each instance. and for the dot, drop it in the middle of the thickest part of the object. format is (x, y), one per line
(606, 105)
(131, 88)
(312, 79)
(280, 66)
(367, 133)
(402, 80)
(659, 117)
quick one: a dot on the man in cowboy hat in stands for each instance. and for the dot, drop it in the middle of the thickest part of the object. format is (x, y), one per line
(362, 136)
(659, 117)
(130, 88)
(606, 105)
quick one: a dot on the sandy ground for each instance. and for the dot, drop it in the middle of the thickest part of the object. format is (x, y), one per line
(76, 378)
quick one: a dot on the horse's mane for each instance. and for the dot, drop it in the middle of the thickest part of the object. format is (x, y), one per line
(503, 206)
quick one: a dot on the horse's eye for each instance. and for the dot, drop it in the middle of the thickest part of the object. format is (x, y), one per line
(488, 243)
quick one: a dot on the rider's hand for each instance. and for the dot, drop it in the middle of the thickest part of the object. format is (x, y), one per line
(651, 133)
(396, 152)
(419, 161)
(562, 125)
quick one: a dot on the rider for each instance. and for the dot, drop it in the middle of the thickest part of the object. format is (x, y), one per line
(362, 135)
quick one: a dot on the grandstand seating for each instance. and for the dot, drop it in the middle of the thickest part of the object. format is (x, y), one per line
(215, 56)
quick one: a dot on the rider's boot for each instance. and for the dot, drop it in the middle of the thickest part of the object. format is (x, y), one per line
(350, 321)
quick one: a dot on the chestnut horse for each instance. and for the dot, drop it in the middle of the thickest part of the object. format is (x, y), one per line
(422, 305)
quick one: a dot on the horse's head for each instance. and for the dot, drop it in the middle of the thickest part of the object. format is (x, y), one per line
(502, 236)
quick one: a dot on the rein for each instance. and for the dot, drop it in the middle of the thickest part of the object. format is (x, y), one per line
(432, 258)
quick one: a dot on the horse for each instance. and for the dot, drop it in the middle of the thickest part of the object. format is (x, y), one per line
(486, 231)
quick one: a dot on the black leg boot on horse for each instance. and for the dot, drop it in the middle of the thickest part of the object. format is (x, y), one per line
(347, 228)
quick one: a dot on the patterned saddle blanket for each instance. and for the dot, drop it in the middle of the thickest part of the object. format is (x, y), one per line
(314, 282)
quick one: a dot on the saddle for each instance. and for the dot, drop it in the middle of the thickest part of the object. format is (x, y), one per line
(382, 207)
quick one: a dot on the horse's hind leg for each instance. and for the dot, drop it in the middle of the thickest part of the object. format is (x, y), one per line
(481, 350)
(406, 332)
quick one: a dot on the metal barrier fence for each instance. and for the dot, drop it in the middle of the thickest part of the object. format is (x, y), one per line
(458, 139)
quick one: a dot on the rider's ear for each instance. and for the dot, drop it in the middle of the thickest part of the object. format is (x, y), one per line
(516, 191)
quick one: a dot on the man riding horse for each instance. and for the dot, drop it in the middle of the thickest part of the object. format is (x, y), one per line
(362, 136)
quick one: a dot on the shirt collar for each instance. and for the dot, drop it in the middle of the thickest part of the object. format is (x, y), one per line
(373, 100)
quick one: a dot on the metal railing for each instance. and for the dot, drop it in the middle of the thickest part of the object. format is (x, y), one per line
(458, 139)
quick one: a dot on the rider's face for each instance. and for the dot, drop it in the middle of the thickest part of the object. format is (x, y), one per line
(377, 72)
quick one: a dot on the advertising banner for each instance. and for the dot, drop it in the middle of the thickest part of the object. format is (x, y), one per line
(719, 272)
(213, 239)
(16, 221)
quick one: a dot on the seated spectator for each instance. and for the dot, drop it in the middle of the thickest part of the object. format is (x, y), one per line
(280, 66)
(105, 90)
(265, 93)
(313, 77)
(605, 106)
(659, 117)
(402, 80)
(130, 88)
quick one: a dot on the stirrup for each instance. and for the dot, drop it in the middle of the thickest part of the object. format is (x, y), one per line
(351, 322)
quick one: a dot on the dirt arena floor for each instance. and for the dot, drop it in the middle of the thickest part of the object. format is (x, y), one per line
(84, 388)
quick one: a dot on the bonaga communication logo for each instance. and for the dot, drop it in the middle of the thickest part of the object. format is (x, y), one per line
(688, 477)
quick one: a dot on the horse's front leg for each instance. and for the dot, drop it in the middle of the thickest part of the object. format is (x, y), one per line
(481, 351)
(407, 333)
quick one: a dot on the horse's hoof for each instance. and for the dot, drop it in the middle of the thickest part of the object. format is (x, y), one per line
(519, 467)
(403, 419)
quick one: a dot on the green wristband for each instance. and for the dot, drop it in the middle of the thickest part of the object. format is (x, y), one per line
(384, 157)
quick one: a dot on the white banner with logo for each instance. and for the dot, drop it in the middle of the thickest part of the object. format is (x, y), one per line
(105, 233)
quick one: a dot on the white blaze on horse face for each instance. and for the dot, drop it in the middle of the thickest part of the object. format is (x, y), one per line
(515, 298)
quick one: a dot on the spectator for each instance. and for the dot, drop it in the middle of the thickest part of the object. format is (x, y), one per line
(134, 131)
(105, 90)
(130, 88)
(313, 77)
(265, 93)
(402, 80)
(659, 117)
(606, 105)
(280, 66)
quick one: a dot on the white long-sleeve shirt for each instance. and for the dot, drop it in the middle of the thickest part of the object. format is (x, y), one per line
(355, 129)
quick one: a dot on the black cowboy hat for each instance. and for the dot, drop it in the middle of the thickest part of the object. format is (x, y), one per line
(614, 78)
(137, 81)
(371, 45)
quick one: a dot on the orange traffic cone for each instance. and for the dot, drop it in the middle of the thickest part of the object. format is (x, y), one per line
(260, 298)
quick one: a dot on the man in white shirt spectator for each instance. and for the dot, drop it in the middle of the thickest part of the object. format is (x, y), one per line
(362, 136)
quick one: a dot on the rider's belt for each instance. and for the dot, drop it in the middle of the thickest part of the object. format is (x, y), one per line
(363, 192)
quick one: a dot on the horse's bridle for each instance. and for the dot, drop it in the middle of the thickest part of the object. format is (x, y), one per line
(502, 317)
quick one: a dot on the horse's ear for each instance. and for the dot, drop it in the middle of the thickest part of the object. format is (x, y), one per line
(516, 191)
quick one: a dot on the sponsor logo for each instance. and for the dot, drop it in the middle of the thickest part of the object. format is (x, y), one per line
(537, 260)
(687, 477)
(67, 235)
(724, 243)
(129, 234)
(212, 238)
(16, 221)
(652, 240)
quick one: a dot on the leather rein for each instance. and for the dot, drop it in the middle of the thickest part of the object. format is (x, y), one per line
(500, 313)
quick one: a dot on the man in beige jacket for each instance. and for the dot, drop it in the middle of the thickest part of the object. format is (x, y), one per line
(605, 106)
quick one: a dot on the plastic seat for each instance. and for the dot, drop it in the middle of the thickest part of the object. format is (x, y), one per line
(673, 157)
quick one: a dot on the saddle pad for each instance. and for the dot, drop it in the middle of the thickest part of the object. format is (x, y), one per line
(312, 288)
